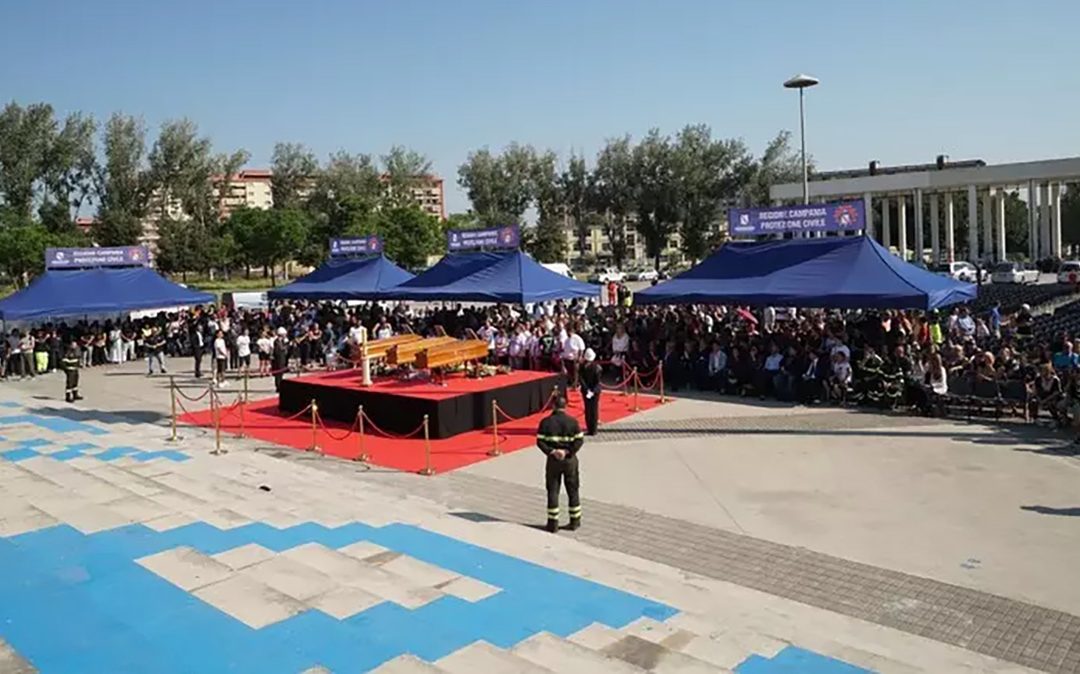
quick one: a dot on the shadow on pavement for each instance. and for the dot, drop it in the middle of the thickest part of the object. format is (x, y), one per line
(1047, 510)
(111, 417)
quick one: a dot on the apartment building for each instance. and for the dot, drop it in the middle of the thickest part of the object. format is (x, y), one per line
(429, 193)
(250, 188)
(253, 188)
(597, 249)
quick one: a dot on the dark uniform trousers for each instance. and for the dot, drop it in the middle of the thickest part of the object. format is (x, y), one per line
(560, 431)
(70, 363)
(590, 383)
(558, 473)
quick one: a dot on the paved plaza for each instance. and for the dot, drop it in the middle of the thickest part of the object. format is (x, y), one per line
(719, 536)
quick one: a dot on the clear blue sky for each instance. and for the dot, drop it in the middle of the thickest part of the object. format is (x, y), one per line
(901, 81)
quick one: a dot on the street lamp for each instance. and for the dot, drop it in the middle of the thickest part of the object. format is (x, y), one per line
(801, 82)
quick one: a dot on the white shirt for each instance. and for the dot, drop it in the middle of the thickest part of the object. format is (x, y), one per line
(620, 343)
(356, 333)
(384, 332)
(487, 333)
(221, 351)
(265, 344)
(573, 346)
(243, 346)
(519, 346)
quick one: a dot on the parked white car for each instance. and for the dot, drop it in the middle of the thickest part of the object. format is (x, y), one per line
(962, 271)
(1069, 272)
(610, 275)
(1014, 272)
(649, 275)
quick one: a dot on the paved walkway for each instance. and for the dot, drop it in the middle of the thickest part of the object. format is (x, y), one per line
(171, 559)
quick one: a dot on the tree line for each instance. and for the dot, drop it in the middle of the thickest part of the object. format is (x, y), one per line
(53, 169)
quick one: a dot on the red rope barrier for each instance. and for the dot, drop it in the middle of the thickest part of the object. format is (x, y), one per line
(393, 436)
(189, 398)
(326, 429)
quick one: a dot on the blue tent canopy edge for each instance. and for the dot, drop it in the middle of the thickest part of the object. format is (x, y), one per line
(838, 272)
(504, 277)
(364, 278)
(90, 292)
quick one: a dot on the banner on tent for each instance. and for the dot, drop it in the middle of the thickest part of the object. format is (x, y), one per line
(495, 237)
(355, 245)
(76, 258)
(832, 217)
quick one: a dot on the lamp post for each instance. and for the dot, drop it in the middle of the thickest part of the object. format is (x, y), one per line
(802, 82)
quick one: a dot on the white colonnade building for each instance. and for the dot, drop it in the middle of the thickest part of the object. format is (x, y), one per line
(899, 200)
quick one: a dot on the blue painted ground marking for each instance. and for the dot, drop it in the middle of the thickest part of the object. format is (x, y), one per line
(9, 403)
(121, 617)
(20, 454)
(794, 660)
(25, 451)
(55, 424)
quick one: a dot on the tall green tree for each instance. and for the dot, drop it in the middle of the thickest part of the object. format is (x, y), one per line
(501, 188)
(1016, 224)
(122, 183)
(294, 170)
(656, 193)
(68, 173)
(710, 173)
(613, 192)
(576, 195)
(410, 235)
(779, 163)
(403, 171)
(26, 138)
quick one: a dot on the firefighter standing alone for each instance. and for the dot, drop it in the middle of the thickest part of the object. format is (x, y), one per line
(560, 438)
(70, 364)
(590, 391)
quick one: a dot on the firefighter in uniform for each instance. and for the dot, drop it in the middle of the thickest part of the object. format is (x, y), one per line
(70, 365)
(590, 391)
(559, 438)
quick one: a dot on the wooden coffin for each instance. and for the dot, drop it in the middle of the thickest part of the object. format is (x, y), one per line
(379, 348)
(405, 354)
(455, 353)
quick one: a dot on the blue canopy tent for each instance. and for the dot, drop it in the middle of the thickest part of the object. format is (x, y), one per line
(508, 277)
(840, 272)
(92, 292)
(345, 279)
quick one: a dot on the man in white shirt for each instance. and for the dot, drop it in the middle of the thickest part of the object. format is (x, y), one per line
(519, 347)
(221, 358)
(573, 347)
(488, 333)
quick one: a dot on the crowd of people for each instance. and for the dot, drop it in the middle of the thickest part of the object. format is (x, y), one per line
(886, 359)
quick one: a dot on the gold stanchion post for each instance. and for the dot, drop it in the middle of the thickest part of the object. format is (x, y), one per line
(494, 451)
(427, 470)
(314, 426)
(622, 372)
(172, 396)
(637, 382)
(245, 387)
(362, 457)
(215, 407)
(660, 380)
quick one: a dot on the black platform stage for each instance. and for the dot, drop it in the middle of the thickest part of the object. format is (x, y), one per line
(459, 405)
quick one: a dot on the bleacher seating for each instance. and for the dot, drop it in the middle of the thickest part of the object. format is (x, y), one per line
(1013, 296)
(1065, 319)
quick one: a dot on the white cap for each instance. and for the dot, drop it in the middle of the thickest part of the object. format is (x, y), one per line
(590, 355)
(282, 332)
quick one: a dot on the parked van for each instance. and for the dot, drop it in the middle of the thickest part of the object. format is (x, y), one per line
(245, 300)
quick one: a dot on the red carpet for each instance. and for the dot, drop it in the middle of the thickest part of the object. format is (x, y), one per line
(262, 420)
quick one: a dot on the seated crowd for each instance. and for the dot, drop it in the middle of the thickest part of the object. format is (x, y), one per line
(885, 359)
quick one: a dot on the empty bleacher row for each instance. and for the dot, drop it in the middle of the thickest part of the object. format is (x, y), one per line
(1066, 319)
(1013, 296)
